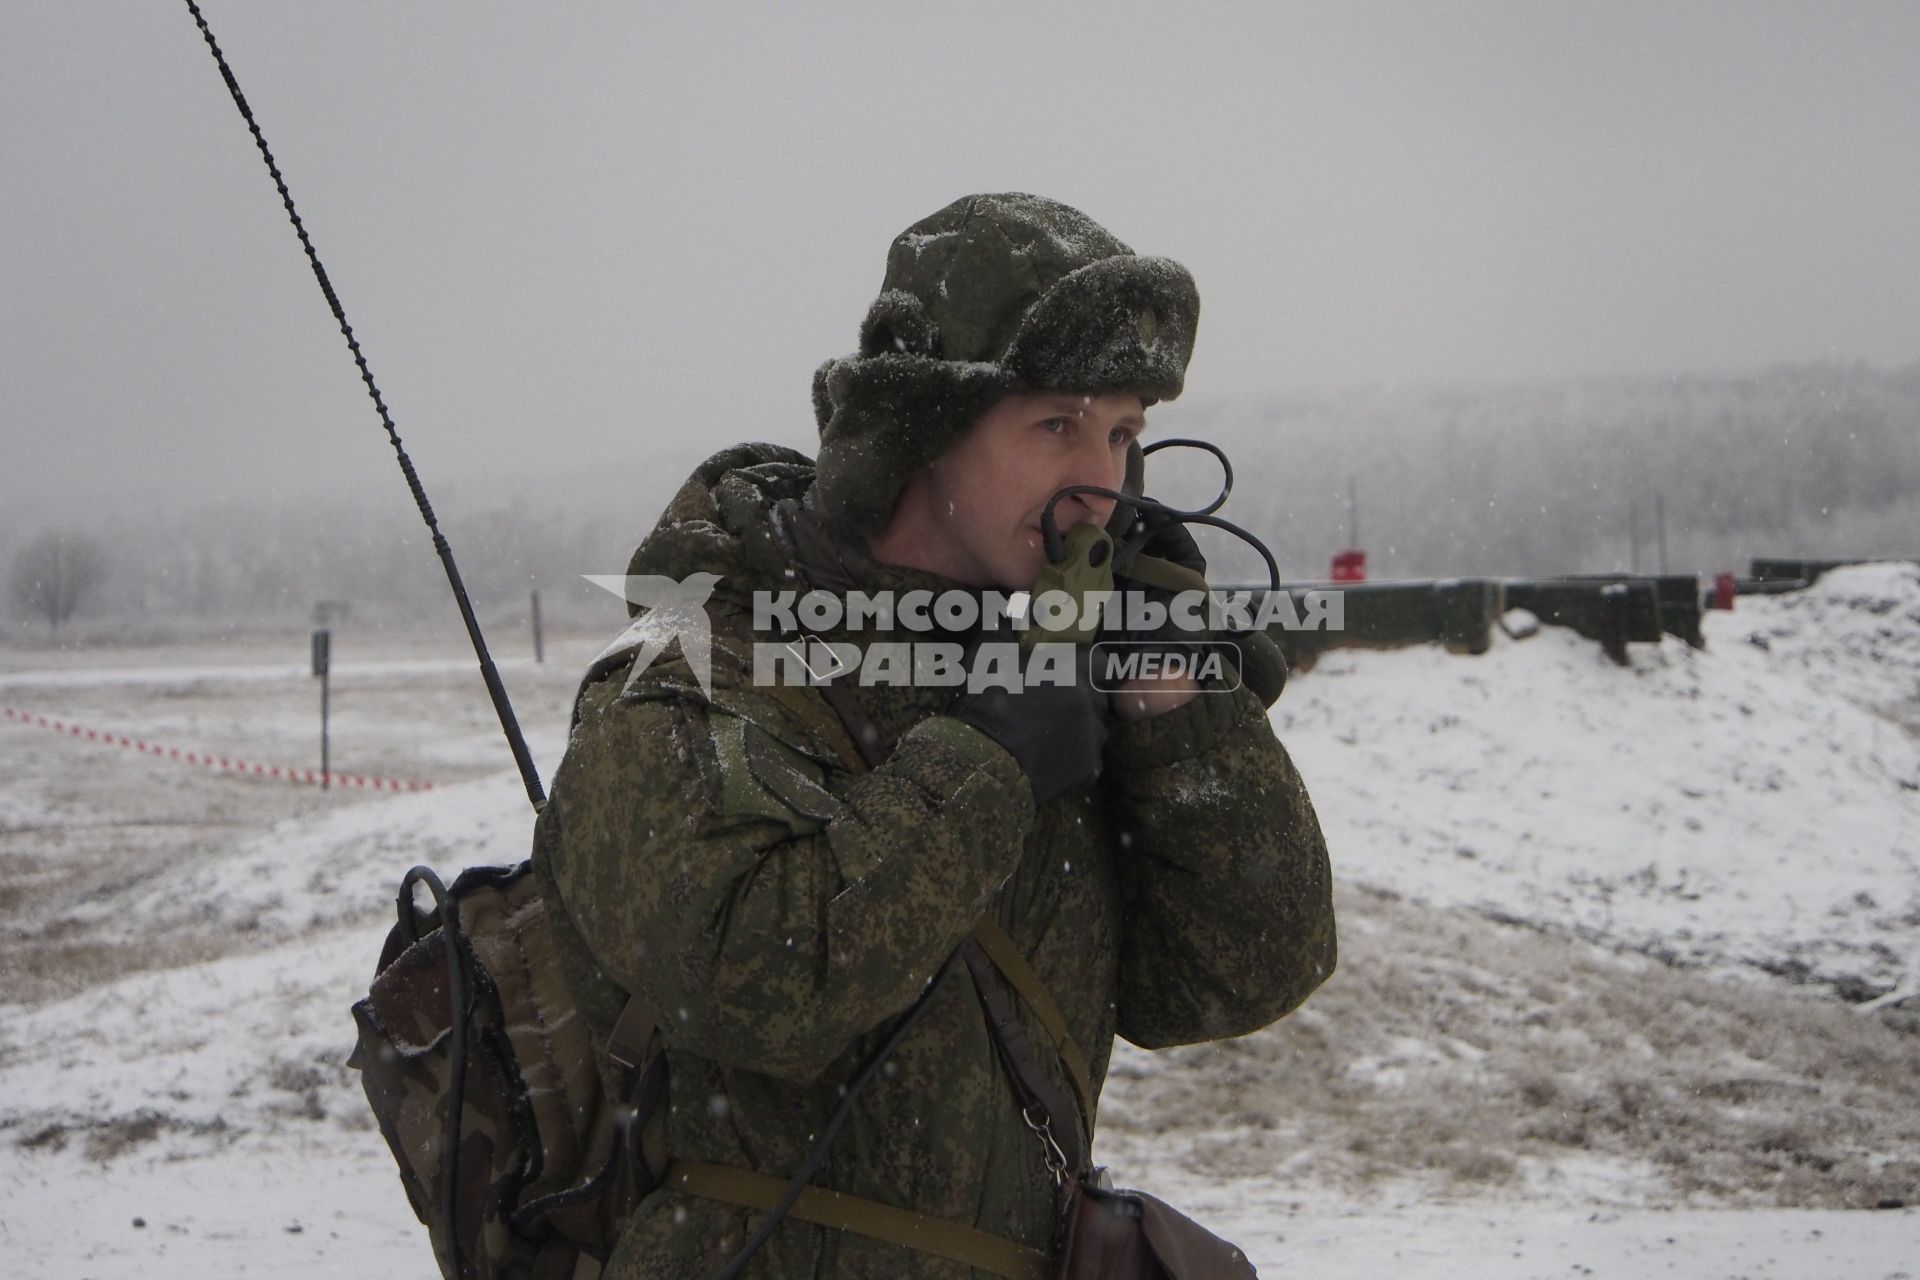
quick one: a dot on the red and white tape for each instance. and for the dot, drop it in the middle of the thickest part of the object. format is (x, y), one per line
(283, 773)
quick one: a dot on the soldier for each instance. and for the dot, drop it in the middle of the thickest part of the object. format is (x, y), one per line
(775, 904)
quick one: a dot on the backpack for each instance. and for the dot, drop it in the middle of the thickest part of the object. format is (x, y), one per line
(545, 1158)
(554, 1145)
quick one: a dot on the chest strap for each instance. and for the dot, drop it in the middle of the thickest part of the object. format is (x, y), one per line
(1007, 958)
(826, 1208)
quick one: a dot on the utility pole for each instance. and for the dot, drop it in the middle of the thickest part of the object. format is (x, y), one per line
(1633, 536)
(539, 652)
(1353, 513)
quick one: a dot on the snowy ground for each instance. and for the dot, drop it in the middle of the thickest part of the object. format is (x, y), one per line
(1611, 946)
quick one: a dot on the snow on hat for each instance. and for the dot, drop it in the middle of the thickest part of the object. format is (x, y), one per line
(992, 294)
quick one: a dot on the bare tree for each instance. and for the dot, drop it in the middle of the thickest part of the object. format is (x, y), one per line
(54, 573)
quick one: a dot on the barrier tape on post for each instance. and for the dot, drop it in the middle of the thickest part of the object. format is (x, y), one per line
(224, 764)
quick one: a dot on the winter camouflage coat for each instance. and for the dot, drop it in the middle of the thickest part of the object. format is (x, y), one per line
(775, 910)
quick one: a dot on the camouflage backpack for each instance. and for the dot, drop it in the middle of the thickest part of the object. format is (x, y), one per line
(549, 1153)
(544, 1158)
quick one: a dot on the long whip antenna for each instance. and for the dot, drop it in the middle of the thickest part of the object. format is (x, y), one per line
(498, 691)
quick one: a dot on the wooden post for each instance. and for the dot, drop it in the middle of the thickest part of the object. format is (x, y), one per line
(322, 666)
(539, 651)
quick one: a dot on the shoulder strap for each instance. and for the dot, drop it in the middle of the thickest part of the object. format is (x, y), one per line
(630, 1043)
(1005, 956)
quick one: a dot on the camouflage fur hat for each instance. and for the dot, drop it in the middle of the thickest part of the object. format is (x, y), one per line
(992, 294)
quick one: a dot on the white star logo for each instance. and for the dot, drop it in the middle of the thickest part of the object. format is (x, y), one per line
(670, 610)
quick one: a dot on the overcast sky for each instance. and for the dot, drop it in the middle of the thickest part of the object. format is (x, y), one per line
(616, 236)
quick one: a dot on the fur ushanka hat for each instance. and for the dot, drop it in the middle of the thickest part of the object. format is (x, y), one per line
(994, 293)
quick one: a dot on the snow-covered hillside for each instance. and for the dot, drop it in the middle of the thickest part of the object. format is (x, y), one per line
(1756, 803)
(1601, 929)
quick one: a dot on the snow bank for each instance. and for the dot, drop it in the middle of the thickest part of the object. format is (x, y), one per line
(1753, 803)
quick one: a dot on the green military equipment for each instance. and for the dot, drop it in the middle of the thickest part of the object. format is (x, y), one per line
(1809, 571)
(1769, 586)
(1161, 575)
(1459, 613)
(1078, 584)
(1090, 570)
(1677, 600)
(1615, 611)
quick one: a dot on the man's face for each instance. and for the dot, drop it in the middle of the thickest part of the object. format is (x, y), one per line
(974, 515)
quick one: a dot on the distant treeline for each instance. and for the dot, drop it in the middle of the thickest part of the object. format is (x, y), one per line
(1533, 479)
(245, 567)
(1546, 478)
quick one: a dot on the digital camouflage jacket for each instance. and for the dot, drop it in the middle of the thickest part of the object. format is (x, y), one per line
(775, 910)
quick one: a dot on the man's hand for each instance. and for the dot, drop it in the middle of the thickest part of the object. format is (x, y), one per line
(1169, 539)
(1166, 539)
(1138, 699)
(1055, 731)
